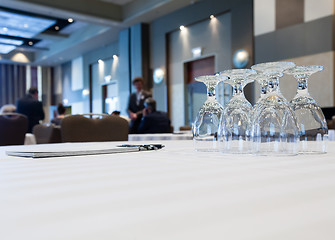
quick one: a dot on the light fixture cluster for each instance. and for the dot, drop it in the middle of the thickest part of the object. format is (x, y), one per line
(100, 61)
(20, 29)
(182, 27)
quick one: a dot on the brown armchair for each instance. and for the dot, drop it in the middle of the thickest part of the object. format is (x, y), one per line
(13, 128)
(77, 128)
(47, 134)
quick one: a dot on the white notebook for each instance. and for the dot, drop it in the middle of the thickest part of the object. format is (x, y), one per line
(78, 149)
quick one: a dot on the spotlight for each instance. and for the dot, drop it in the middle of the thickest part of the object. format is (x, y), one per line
(182, 28)
(211, 16)
(70, 20)
(100, 61)
(56, 28)
(115, 56)
(30, 43)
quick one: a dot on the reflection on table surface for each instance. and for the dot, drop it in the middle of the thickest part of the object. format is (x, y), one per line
(172, 193)
(184, 135)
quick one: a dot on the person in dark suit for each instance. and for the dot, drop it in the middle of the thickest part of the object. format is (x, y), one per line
(136, 104)
(31, 107)
(153, 121)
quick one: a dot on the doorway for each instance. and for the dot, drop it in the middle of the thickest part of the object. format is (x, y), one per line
(196, 92)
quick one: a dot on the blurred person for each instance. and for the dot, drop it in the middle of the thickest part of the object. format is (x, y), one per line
(60, 115)
(8, 108)
(31, 107)
(136, 104)
(153, 121)
(116, 113)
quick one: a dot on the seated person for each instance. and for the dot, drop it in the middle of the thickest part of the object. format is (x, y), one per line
(116, 113)
(61, 114)
(153, 121)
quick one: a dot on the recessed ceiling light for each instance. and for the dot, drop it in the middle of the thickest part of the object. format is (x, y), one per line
(211, 16)
(5, 29)
(115, 56)
(56, 28)
(70, 20)
(30, 43)
(100, 61)
(182, 27)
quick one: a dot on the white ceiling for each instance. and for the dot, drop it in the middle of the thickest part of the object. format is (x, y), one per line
(99, 21)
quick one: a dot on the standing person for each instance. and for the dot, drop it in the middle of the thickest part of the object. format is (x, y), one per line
(136, 104)
(31, 107)
(153, 121)
(60, 115)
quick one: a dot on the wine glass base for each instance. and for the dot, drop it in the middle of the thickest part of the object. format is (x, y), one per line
(313, 147)
(276, 148)
(205, 145)
(235, 147)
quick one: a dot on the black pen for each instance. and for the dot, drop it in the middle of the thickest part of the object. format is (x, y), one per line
(144, 147)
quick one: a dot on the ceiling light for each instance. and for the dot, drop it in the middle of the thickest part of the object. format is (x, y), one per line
(30, 43)
(24, 26)
(56, 28)
(70, 20)
(211, 16)
(182, 28)
(115, 56)
(100, 61)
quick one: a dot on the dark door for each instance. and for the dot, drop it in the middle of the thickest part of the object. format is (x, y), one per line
(196, 92)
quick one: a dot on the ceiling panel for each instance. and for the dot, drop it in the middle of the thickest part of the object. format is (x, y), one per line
(19, 25)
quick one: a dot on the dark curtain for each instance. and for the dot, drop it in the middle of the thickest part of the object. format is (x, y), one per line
(12, 83)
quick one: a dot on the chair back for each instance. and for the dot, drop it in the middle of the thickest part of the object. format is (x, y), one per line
(13, 128)
(47, 134)
(77, 128)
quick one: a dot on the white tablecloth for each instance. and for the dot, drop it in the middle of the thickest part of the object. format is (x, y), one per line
(161, 136)
(174, 193)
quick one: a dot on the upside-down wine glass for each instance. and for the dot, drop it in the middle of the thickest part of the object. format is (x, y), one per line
(274, 126)
(312, 123)
(234, 128)
(206, 124)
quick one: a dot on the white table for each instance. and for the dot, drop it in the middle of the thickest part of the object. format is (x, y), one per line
(161, 136)
(174, 193)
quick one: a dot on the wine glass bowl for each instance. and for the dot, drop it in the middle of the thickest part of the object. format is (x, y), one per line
(313, 128)
(234, 128)
(205, 126)
(274, 126)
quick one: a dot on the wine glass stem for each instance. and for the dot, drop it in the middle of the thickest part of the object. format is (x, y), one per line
(302, 83)
(273, 83)
(237, 90)
(211, 92)
(264, 88)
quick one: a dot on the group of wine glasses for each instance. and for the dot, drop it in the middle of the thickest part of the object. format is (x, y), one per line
(273, 126)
